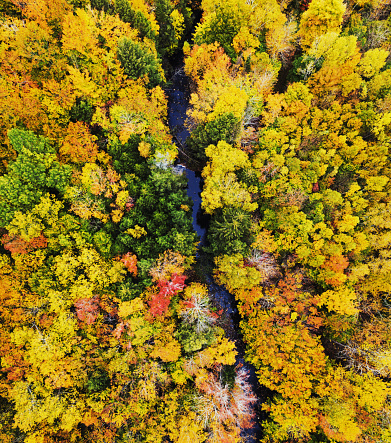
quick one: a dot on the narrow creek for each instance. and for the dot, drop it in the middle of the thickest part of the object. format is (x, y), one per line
(178, 102)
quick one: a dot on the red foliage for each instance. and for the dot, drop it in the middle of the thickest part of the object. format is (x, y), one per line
(172, 287)
(130, 262)
(315, 187)
(16, 245)
(87, 309)
(129, 204)
(159, 302)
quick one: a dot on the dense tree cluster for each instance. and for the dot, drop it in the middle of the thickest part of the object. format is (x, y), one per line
(291, 118)
(106, 332)
(103, 336)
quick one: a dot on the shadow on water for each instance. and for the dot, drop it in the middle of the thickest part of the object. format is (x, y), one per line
(200, 220)
(178, 103)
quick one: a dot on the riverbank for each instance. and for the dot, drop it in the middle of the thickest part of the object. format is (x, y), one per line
(223, 301)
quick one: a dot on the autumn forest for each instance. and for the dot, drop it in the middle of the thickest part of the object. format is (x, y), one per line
(109, 329)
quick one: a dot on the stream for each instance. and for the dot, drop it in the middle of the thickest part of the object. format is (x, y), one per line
(178, 103)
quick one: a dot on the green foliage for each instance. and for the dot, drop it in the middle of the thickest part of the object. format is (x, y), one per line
(138, 61)
(225, 127)
(126, 157)
(193, 341)
(34, 172)
(163, 11)
(221, 26)
(102, 241)
(303, 67)
(229, 232)
(100, 340)
(82, 111)
(98, 382)
(105, 5)
(159, 200)
(8, 8)
(136, 19)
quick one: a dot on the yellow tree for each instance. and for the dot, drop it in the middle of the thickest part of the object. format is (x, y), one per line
(322, 16)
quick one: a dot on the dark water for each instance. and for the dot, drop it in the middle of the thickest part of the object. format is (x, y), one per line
(178, 103)
(194, 192)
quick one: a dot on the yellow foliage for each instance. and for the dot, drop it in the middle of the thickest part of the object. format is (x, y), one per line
(122, 198)
(168, 264)
(190, 431)
(280, 40)
(144, 7)
(178, 22)
(25, 225)
(372, 62)
(225, 191)
(112, 29)
(223, 159)
(296, 92)
(265, 241)
(296, 418)
(322, 16)
(195, 288)
(221, 186)
(231, 272)
(83, 83)
(340, 417)
(222, 352)
(232, 100)
(377, 183)
(244, 40)
(80, 33)
(136, 232)
(343, 301)
(322, 44)
(128, 308)
(116, 215)
(265, 15)
(167, 351)
(343, 49)
(144, 149)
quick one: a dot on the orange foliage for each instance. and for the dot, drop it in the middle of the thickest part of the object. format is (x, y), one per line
(87, 309)
(168, 264)
(205, 59)
(13, 312)
(292, 358)
(45, 12)
(336, 266)
(130, 262)
(17, 245)
(79, 145)
(119, 330)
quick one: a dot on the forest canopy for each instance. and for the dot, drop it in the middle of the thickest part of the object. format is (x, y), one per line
(109, 329)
